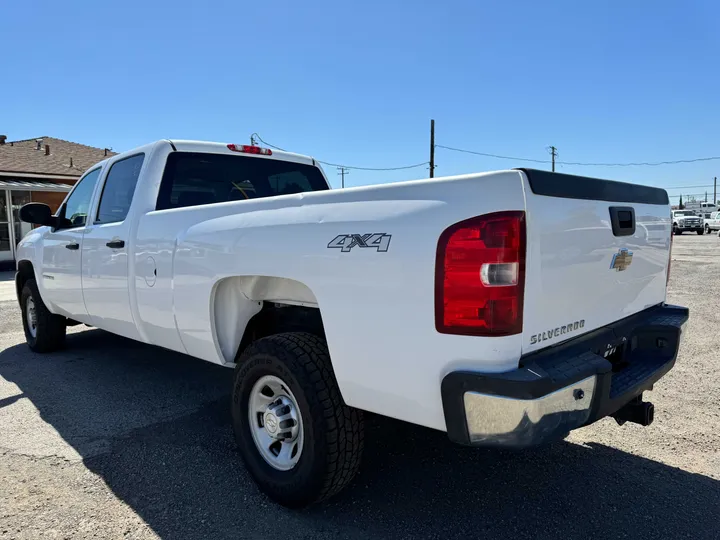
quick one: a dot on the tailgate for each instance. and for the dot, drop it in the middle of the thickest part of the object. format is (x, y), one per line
(597, 252)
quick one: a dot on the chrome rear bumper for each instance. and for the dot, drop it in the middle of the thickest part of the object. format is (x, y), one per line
(495, 419)
(564, 387)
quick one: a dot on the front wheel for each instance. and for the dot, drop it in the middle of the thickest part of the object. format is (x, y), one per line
(707, 229)
(298, 439)
(44, 332)
(700, 232)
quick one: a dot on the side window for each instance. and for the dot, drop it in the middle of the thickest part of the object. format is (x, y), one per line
(77, 204)
(119, 188)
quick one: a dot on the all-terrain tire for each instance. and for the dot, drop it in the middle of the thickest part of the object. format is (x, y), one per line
(332, 432)
(48, 333)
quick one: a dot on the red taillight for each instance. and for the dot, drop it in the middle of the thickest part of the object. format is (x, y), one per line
(247, 149)
(480, 276)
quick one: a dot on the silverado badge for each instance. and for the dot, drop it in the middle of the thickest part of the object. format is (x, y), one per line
(621, 260)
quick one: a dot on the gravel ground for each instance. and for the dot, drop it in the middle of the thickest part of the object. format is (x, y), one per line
(113, 439)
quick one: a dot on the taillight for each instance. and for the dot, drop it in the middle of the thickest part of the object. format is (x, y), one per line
(480, 276)
(247, 149)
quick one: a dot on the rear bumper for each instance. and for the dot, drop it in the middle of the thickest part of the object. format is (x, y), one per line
(564, 387)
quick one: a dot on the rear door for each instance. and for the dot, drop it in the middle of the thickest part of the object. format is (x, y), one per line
(105, 250)
(597, 252)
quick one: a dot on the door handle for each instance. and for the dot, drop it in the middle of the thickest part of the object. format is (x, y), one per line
(116, 244)
(72, 245)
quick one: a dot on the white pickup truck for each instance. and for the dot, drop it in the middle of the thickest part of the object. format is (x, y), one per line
(712, 223)
(504, 308)
(687, 221)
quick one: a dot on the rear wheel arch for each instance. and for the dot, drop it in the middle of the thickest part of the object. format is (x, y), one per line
(247, 308)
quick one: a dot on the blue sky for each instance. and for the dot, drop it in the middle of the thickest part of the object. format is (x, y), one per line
(357, 82)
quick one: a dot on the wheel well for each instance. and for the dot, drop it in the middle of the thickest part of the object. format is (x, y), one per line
(25, 271)
(275, 318)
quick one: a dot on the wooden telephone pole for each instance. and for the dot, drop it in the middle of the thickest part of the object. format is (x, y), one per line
(432, 148)
(553, 153)
(342, 171)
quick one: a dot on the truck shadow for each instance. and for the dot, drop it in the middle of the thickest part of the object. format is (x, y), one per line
(155, 426)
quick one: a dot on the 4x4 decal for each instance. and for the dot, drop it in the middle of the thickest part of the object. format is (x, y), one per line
(345, 242)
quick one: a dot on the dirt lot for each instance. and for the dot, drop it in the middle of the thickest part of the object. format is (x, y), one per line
(113, 439)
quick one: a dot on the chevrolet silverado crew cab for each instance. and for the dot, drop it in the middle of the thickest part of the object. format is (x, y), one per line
(503, 308)
(686, 220)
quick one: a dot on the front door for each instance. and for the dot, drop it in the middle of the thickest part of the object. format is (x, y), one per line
(60, 280)
(106, 248)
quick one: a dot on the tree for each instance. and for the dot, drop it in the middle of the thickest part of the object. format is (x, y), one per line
(681, 206)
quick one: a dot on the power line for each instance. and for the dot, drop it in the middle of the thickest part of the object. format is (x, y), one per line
(690, 187)
(424, 163)
(491, 155)
(630, 164)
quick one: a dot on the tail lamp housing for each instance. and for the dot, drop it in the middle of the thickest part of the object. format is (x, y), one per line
(480, 276)
(247, 149)
(667, 278)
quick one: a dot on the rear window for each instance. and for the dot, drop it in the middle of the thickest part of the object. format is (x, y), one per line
(193, 179)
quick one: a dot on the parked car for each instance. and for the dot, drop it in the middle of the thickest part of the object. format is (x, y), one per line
(503, 308)
(713, 222)
(686, 221)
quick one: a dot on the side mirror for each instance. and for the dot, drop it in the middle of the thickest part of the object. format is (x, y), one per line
(37, 214)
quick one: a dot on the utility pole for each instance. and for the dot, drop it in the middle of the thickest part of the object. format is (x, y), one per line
(553, 153)
(342, 172)
(715, 191)
(252, 140)
(432, 148)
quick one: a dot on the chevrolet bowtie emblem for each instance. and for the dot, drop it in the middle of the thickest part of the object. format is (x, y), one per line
(621, 260)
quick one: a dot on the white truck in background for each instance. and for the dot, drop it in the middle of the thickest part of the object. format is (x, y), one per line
(712, 223)
(687, 221)
(702, 209)
(503, 308)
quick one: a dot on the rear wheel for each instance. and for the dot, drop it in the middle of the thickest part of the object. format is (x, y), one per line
(298, 439)
(44, 332)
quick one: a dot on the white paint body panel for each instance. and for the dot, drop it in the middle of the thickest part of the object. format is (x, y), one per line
(713, 222)
(569, 276)
(197, 275)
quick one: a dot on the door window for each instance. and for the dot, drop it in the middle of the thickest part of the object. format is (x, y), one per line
(119, 189)
(77, 204)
